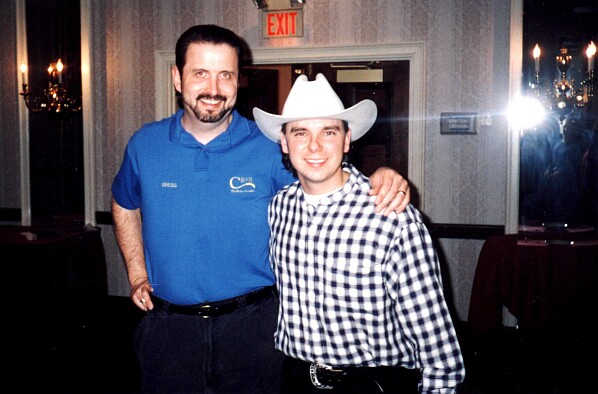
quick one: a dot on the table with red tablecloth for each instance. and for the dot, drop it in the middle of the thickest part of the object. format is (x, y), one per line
(547, 282)
(42, 262)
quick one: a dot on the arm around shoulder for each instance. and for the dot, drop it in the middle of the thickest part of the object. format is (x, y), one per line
(391, 190)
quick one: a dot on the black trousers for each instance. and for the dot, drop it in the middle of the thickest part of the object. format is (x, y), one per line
(229, 354)
(388, 380)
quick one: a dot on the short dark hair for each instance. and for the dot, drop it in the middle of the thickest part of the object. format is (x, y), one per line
(207, 34)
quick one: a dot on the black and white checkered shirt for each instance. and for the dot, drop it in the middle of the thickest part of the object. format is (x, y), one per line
(358, 288)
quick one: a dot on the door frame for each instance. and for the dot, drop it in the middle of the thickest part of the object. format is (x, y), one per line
(515, 72)
(21, 24)
(414, 52)
(87, 82)
(89, 156)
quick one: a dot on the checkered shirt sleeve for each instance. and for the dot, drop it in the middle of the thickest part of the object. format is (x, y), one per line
(358, 288)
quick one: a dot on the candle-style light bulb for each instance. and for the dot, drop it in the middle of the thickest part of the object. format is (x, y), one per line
(23, 68)
(536, 53)
(51, 75)
(59, 67)
(590, 52)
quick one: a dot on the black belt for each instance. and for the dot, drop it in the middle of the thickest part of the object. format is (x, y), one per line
(327, 377)
(216, 308)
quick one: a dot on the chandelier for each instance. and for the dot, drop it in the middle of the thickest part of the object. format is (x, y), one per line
(563, 96)
(53, 99)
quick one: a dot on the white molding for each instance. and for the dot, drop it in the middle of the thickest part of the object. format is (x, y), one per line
(89, 151)
(22, 55)
(515, 72)
(164, 91)
(414, 52)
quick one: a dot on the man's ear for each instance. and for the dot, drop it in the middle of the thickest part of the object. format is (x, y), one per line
(283, 143)
(176, 78)
(347, 141)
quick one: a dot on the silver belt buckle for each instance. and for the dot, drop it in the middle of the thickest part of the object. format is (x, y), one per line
(313, 374)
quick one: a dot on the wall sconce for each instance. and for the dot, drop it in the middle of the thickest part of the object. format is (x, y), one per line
(55, 98)
(563, 96)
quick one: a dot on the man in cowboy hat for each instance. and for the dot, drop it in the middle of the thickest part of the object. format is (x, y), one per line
(361, 302)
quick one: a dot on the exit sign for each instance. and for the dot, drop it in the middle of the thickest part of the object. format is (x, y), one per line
(283, 23)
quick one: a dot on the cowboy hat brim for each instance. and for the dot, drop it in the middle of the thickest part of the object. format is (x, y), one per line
(360, 117)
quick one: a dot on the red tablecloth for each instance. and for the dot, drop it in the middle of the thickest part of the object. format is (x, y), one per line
(43, 262)
(546, 285)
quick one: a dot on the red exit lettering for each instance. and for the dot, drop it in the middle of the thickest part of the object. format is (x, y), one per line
(283, 24)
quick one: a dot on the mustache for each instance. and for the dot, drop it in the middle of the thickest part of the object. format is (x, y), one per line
(210, 97)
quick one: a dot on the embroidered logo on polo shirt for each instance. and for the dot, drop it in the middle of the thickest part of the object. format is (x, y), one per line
(241, 184)
(169, 184)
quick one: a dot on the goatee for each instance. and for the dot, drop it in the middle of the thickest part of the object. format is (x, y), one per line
(209, 116)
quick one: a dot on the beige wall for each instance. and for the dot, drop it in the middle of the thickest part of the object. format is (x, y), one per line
(466, 61)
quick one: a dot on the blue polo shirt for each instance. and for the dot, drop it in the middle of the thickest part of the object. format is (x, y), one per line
(204, 207)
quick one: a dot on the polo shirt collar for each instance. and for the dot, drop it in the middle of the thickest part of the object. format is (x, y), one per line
(236, 132)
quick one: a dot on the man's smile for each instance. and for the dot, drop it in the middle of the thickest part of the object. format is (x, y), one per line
(211, 100)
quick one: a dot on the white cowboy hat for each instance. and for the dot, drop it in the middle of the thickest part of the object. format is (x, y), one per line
(316, 100)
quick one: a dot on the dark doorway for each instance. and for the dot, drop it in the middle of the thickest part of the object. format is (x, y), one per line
(386, 144)
(558, 181)
(55, 141)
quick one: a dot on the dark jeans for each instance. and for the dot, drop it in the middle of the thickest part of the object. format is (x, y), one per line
(232, 353)
(296, 380)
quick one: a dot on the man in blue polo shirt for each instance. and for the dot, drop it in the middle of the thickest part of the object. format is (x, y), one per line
(190, 207)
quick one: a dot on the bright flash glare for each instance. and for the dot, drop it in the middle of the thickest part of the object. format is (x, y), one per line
(525, 113)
